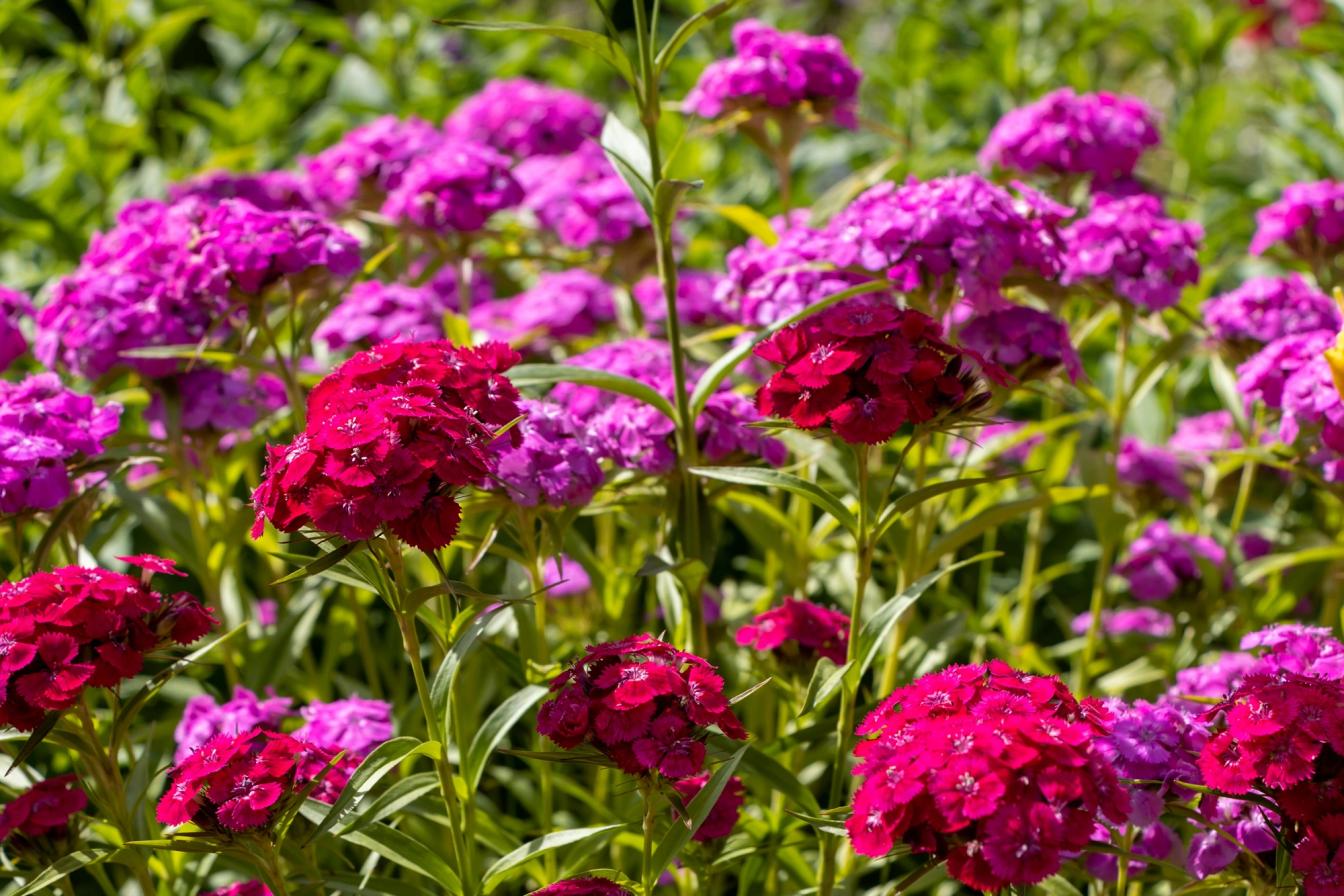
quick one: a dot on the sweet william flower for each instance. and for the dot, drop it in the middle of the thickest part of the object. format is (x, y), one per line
(724, 814)
(1023, 341)
(1131, 248)
(203, 718)
(1151, 469)
(244, 888)
(353, 725)
(560, 306)
(372, 312)
(583, 886)
(1264, 309)
(43, 811)
(525, 118)
(1307, 220)
(454, 187)
(581, 198)
(798, 629)
(1163, 562)
(270, 191)
(368, 162)
(14, 307)
(554, 462)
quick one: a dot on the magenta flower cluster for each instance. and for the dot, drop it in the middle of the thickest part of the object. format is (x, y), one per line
(1308, 220)
(524, 118)
(1264, 309)
(368, 162)
(1151, 470)
(1023, 341)
(1130, 248)
(1101, 134)
(453, 188)
(560, 306)
(14, 307)
(270, 191)
(1164, 562)
(581, 198)
(555, 463)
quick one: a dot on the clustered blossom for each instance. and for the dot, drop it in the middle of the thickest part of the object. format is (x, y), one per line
(1130, 621)
(372, 312)
(723, 815)
(1162, 562)
(1199, 438)
(391, 435)
(1023, 341)
(455, 187)
(369, 162)
(43, 811)
(998, 772)
(203, 718)
(1283, 737)
(211, 399)
(1101, 134)
(636, 435)
(554, 462)
(75, 628)
(270, 191)
(561, 305)
(177, 275)
(1149, 468)
(581, 198)
(523, 118)
(775, 71)
(864, 370)
(1298, 650)
(697, 302)
(14, 306)
(353, 725)
(240, 782)
(959, 232)
(1264, 309)
(1308, 219)
(1130, 247)
(643, 704)
(583, 886)
(798, 629)
(44, 427)
(1292, 376)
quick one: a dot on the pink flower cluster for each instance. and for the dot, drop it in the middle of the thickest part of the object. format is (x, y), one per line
(75, 628)
(560, 306)
(1264, 309)
(554, 462)
(1101, 134)
(1131, 248)
(14, 306)
(211, 399)
(581, 198)
(391, 435)
(1163, 563)
(643, 704)
(44, 427)
(372, 311)
(368, 162)
(864, 370)
(43, 811)
(697, 302)
(1130, 621)
(1027, 343)
(798, 629)
(778, 70)
(245, 888)
(1308, 219)
(524, 118)
(1291, 376)
(454, 187)
(998, 772)
(239, 782)
(270, 191)
(1151, 469)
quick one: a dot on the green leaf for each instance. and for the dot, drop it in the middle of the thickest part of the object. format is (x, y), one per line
(323, 563)
(366, 884)
(546, 374)
(761, 476)
(681, 831)
(917, 497)
(402, 850)
(167, 29)
(386, 757)
(64, 867)
(750, 220)
(630, 157)
(1260, 567)
(441, 688)
(508, 865)
(687, 30)
(493, 729)
(607, 49)
(994, 517)
(762, 767)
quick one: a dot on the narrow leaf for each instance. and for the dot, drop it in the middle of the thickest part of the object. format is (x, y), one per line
(384, 758)
(683, 829)
(760, 476)
(493, 730)
(547, 374)
(510, 864)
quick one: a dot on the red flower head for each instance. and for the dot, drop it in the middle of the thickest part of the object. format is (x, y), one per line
(996, 771)
(43, 811)
(152, 564)
(583, 886)
(866, 369)
(72, 628)
(641, 702)
(799, 629)
(238, 782)
(721, 819)
(392, 434)
(246, 888)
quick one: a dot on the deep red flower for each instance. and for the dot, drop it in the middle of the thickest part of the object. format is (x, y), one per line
(392, 434)
(798, 629)
(723, 816)
(865, 370)
(44, 810)
(151, 563)
(643, 703)
(583, 886)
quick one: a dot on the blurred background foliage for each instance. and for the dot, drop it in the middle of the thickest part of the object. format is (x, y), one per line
(107, 100)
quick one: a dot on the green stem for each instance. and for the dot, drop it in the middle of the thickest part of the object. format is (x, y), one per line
(111, 793)
(272, 873)
(649, 874)
(297, 406)
(536, 572)
(849, 688)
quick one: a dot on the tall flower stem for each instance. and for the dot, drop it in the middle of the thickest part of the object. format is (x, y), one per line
(649, 874)
(849, 687)
(272, 872)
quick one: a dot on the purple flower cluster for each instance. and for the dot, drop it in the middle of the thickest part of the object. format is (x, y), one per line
(524, 118)
(960, 231)
(635, 435)
(554, 463)
(1163, 562)
(581, 198)
(354, 724)
(1151, 469)
(43, 427)
(372, 312)
(270, 191)
(1101, 134)
(1264, 309)
(214, 400)
(1264, 377)
(697, 302)
(1023, 341)
(14, 306)
(778, 70)
(1197, 439)
(1146, 621)
(455, 186)
(1297, 649)
(203, 718)
(559, 306)
(1308, 219)
(1291, 375)
(1130, 247)
(368, 162)
(173, 275)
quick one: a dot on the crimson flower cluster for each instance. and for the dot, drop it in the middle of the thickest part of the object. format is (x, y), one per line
(43, 811)
(75, 628)
(798, 629)
(642, 703)
(1284, 737)
(996, 771)
(391, 435)
(239, 782)
(583, 886)
(723, 816)
(865, 370)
